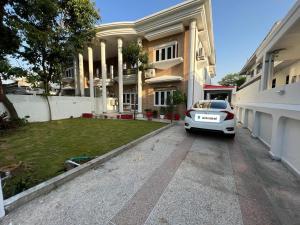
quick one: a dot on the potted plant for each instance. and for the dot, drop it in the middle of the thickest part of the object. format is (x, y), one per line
(155, 113)
(162, 112)
(149, 114)
(175, 99)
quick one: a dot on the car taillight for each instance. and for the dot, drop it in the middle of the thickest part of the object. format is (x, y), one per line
(229, 115)
(188, 113)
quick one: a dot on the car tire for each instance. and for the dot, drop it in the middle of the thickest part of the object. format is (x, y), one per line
(231, 136)
(189, 131)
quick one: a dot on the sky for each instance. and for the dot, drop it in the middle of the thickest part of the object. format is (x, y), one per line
(239, 25)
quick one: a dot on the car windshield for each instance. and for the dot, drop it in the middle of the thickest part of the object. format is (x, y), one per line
(210, 105)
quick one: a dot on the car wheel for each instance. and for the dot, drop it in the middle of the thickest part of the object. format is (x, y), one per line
(189, 131)
(230, 136)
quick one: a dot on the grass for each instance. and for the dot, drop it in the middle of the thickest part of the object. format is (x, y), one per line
(42, 148)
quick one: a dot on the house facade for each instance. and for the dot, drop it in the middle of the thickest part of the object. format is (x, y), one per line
(179, 42)
(268, 103)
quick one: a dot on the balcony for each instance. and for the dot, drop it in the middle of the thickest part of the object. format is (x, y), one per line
(129, 77)
(166, 64)
(98, 82)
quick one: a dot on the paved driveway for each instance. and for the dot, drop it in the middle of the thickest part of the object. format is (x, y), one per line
(175, 178)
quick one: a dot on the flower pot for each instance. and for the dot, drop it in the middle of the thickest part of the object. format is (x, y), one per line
(176, 116)
(149, 115)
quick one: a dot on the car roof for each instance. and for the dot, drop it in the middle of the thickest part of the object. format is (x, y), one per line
(212, 101)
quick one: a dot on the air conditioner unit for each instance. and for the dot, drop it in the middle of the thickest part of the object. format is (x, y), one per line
(149, 73)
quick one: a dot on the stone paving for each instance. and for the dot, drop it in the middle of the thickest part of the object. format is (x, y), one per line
(175, 178)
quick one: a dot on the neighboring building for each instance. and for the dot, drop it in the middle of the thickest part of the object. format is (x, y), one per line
(269, 102)
(180, 45)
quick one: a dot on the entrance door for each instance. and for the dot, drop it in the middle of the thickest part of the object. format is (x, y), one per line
(129, 99)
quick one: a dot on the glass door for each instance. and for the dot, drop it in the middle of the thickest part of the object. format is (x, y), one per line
(129, 99)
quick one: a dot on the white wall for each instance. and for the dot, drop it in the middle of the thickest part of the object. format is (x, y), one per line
(250, 118)
(62, 107)
(292, 70)
(264, 127)
(291, 143)
(251, 94)
(263, 113)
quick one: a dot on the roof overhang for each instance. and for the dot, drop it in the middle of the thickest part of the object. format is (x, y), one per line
(283, 35)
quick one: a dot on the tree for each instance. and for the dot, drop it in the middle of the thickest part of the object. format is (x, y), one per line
(9, 43)
(173, 100)
(135, 56)
(6, 72)
(53, 31)
(233, 79)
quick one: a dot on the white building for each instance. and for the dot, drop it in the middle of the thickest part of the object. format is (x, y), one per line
(269, 102)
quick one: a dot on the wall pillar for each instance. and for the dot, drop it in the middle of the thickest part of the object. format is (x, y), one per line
(104, 75)
(139, 85)
(91, 77)
(245, 118)
(111, 71)
(2, 211)
(267, 71)
(277, 137)
(192, 56)
(76, 76)
(81, 74)
(120, 74)
(255, 130)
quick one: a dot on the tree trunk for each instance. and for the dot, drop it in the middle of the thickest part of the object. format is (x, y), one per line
(46, 94)
(7, 103)
(49, 108)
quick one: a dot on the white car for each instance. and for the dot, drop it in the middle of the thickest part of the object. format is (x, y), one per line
(213, 115)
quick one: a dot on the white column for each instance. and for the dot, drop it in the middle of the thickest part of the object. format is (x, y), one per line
(81, 74)
(277, 137)
(267, 71)
(76, 76)
(120, 74)
(192, 55)
(139, 85)
(104, 75)
(111, 69)
(91, 77)
(270, 70)
(2, 212)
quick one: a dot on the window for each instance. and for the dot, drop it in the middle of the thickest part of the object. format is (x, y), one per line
(274, 83)
(163, 54)
(166, 51)
(287, 79)
(157, 55)
(210, 105)
(161, 98)
(69, 72)
(169, 53)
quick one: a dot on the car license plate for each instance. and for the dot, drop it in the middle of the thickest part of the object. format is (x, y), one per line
(207, 118)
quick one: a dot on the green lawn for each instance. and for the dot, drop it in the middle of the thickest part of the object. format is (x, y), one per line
(42, 148)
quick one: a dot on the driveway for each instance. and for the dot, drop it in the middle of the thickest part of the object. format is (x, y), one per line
(175, 178)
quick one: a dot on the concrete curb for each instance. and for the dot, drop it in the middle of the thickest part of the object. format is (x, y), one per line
(43, 188)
